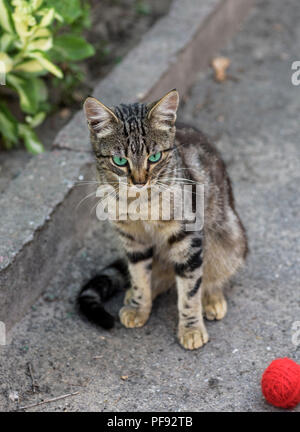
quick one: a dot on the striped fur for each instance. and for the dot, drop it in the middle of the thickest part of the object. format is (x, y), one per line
(161, 254)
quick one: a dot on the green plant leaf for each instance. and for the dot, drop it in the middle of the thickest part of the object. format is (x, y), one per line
(46, 63)
(73, 48)
(27, 33)
(6, 41)
(43, 44)
(36, 120)
(30, 92)
(30, 66)
(24, 23)
(42, 33)
(47, 18)
(69, 10)
(36, 4)
(24, 88)
(8, 126)
(7, 61)
(40, 89)
(5, 17)
(31, 141)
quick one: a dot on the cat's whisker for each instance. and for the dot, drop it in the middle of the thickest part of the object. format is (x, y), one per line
(100, 201)
(183, 183)
(94, 206)
(96, 183)
(85, 198)
(87, 181)
(85, 184)
(179, 184)
(162, 185)
(182, 168)
(180, 178)
(174, 171)
(168, 189)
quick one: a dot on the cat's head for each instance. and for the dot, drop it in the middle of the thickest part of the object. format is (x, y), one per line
(133, 142)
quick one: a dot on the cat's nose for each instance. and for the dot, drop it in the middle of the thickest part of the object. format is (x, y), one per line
(138, 182)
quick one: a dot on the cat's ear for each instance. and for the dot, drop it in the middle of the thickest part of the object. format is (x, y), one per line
(162, 113)
(101, 119)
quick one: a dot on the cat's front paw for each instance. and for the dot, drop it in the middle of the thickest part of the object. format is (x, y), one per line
(192, 338)
(132, 317)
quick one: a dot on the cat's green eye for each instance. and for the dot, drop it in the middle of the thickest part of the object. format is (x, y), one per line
(155, 157)
(120, 161)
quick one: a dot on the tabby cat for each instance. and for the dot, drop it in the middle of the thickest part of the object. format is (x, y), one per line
(138, 145)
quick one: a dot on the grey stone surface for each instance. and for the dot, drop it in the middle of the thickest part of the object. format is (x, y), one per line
(169, 55)
(40, 226)
(254, 122)
(53, 173)
(11, 164)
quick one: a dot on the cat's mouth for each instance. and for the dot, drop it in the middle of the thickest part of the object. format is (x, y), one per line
(139, 187)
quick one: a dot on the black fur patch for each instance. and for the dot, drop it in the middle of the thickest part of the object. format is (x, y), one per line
(191, 323)
(134, 302)
(195, 288)
(197, 242)
(178, 237)
(113, 279)
(135, 257)
(193, 262)
(125, 235)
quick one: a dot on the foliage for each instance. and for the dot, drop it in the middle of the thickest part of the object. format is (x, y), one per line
(36, 38)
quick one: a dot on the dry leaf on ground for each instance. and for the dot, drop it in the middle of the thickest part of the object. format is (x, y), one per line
(220, 66)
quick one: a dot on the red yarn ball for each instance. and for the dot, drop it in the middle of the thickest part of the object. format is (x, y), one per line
(280, 383)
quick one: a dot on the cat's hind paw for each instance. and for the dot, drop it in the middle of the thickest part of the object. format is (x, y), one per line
(128, 296)
(192, 338)
(132, 317)
(214, 306)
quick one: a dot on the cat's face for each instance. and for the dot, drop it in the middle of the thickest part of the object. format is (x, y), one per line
(134, 143)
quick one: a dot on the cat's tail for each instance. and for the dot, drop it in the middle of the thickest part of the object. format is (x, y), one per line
(112, 279)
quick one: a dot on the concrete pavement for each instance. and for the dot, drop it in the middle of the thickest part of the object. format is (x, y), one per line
(254, 119)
